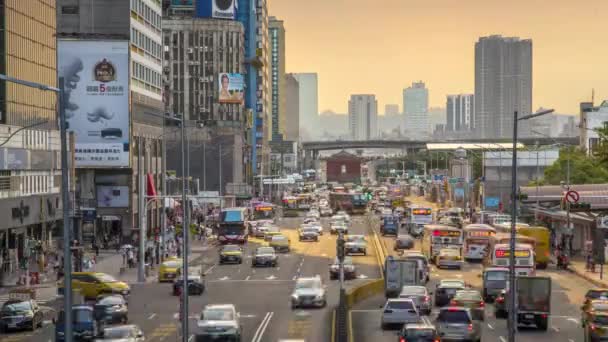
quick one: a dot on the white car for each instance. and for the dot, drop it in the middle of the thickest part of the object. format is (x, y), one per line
(309, 292)
(399, 311)
(219, 321)
(338, 227)
(355, 244)
(313, 214)
(315, 225)
(344, 215)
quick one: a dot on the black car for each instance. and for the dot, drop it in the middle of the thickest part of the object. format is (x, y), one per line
(111, 310)
(404, 242)
(264, 256)
(418, 333)
(195, 285)
(446, 290)
(500, 305)
(19, 314)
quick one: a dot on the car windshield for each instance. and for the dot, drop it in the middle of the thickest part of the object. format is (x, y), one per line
(217, 315)
(231, 248)
(16, 307)
(420, 335)
(449, 252)
(119, 333)
(309, 230)
(400, 305)
(105, 278)
(413, 291)
(308, 284)
(453, 316)
(600, 320)
(468, 296)
(597, 294)
(172, 264)
(279, 238)
(496, 275)
(601, 306)
(265, 250)
(355, 238)
(451, 284)
(113, 300)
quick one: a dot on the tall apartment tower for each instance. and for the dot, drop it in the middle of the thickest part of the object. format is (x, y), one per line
(264, 100)
(309, 104)
(276, 35)
(503, 84)
(30, 175)
(363, 117)
(415, 110)
(460, 111)
(292, 109)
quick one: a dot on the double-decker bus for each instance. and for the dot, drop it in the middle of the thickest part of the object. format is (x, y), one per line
(353, 203)
(477, 238)
(436, 237)
(233, 226)
(525, 264)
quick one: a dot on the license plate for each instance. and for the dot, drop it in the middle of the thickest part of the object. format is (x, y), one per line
(529, 316)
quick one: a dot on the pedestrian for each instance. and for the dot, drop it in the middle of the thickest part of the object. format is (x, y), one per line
(130, 257)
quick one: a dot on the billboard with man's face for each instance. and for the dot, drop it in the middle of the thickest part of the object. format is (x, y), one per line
(96, 76)
(231, 88)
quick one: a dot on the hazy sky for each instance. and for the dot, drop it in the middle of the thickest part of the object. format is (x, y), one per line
(381, 46)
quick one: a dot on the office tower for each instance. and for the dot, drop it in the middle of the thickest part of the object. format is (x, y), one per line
(264, 96)
(30, 178)
(459, 111)
(276, 34)
(128, 34)
(415, 110)
(292, 109)
(309, 105)
(503, 85)
(363, 117)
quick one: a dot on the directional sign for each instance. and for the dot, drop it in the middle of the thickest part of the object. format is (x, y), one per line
(572, 196)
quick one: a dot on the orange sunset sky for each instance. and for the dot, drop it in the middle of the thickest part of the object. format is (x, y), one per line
(381, 46)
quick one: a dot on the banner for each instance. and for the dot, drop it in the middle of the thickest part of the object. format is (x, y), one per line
(96, 75)
(231, 88)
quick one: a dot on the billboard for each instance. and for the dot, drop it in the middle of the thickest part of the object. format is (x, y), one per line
(182, 3)
(219, 9)
(109, 196)
(231, 88)
(96, 77)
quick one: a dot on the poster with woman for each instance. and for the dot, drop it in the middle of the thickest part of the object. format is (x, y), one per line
(231, 88)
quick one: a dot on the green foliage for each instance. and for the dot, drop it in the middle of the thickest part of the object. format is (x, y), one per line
(601, 150)
(583, 169)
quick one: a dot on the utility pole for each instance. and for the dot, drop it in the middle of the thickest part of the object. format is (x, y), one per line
(185, 231)
(220, 168)
(141, 276)
(537, 185)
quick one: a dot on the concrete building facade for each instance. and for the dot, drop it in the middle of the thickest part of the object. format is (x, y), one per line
(276, 35)
(292, 109)
(363, 116)
(503, 85)
(309, 104)
(460, 111)
(415, 110)
(591, 118)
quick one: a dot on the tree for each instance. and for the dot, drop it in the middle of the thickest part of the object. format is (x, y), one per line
(583, 169)
(601, 150)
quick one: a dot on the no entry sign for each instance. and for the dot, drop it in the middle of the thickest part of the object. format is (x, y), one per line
(572, 196)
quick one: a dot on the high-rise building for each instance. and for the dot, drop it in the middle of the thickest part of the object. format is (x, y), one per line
(503, 85)
(459, 111)
(276, 35)
(363, 116)
(264, 96)
(415, 110)
(30, 177)
(111, 188)
(309, 104)
(292, 108)
(391, 109)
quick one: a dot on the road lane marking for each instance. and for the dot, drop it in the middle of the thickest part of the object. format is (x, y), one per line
(257, 337)
(573, 320)
(151, 316)
(502, 339)
(208, 271)
(570, 340)
(490, 326)
(190, 338)
(351, 336)
(555, 328)
(248, 277)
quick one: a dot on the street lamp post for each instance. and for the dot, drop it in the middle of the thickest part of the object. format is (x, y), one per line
(512, 309)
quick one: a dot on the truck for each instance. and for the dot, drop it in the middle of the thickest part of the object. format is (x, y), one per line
(533, 301)
(399, 272)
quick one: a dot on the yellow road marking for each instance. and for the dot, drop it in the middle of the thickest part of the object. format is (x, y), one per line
(333, 326)
(350, 327)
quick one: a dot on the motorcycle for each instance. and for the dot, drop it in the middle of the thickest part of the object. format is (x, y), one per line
(563, 261)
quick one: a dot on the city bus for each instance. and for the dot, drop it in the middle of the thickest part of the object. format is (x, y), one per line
(353, 203)
(524, 258)
(477, 238)
(233, 226)
(436, 237)
(263, 211)
(419, 215)
(542, 236)
(505, 238)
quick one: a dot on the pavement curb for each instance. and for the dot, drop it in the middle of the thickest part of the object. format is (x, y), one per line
(584, 275)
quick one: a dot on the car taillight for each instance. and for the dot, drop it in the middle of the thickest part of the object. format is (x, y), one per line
(593, 327)
(453, 302)
(470, 327)
(427, 298)
(482, 304)
(436, 340)
(402, 339)
(500, 300)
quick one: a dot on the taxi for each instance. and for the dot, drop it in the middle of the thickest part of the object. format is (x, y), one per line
(280, 243)
(597, 327)
(93, 284)
(470, 299)
(449, 257)
(231, 253)
(268, 235)
(596, 293)
(169, 270)
(591, 308)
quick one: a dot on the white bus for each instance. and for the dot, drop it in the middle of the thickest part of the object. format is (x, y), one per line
(419, 215)
(438, 236)
(525, 265)
(477, 241)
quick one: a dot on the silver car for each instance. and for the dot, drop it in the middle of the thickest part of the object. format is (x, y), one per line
(219, 322)
(309, 292)
(355, 244)
(456, 323)
(338, 227)
(308, 234)
(123, 333)
(420, 296)
(399, 311)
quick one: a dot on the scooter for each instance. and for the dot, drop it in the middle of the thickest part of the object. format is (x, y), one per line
(563, 261)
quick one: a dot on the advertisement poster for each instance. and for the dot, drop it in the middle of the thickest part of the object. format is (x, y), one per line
(231, 88)
(96, 75)
(112, 196)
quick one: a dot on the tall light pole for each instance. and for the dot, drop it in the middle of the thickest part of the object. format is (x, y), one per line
(512, 307)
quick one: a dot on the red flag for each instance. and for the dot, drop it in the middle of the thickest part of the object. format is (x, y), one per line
(150, 189)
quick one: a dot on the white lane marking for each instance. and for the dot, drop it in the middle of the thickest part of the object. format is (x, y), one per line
(176, 315)
(502, 339)
(573, 320)
(248, 316)
(224, 278)
(570, 340)
(247, 277)
(294, 278)
(490, 326)
(362, 276)
(257, 337)
(555, 328)
(151, 316)
(208, 271)
(271, 277)
(190, 338)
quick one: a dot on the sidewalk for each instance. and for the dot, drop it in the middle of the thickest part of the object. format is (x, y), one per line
(578, 267)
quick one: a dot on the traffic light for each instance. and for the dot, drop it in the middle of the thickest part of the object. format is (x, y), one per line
(340, 248)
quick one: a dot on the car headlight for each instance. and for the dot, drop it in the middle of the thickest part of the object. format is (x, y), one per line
(294, 296)
(60, 333)
(29, 314)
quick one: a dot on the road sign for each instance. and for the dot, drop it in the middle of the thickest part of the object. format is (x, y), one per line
(492, 202)
(572, 196)
(453, 180)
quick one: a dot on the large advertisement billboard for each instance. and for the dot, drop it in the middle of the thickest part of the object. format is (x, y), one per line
(231, 88)
(96, 75)
(219, 9)
(182, 3)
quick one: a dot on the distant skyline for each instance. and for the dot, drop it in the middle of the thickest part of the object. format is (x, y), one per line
(406, 41)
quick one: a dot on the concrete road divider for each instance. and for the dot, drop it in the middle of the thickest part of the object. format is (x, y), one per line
(364, 291)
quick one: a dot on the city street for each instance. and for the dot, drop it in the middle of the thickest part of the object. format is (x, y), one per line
(261, 295)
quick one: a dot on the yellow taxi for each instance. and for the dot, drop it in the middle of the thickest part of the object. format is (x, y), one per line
(268, 235)
(280, 243)
(93, 284)
(169, 270)
(595, 294)
(595, 326)
(591, 308)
